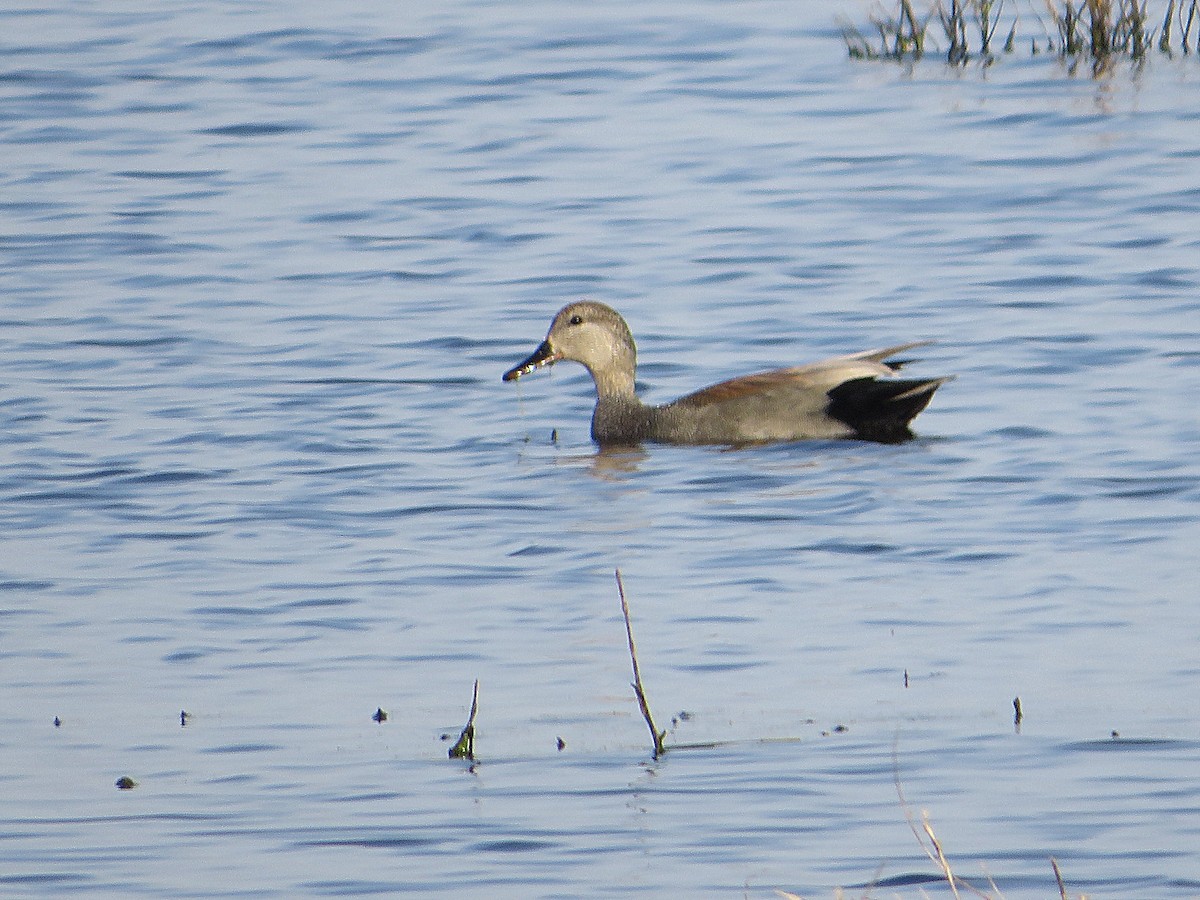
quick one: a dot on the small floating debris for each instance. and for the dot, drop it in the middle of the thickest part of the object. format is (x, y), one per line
(125, 783)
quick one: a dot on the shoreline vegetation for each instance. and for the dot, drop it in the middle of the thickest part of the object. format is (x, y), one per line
(1098, 31)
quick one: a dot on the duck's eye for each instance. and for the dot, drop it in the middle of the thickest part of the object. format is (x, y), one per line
(576, 320)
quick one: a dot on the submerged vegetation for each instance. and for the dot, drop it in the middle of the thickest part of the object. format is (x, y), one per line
(1096, 30)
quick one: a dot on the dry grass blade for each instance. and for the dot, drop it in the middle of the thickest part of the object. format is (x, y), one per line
(938, 856)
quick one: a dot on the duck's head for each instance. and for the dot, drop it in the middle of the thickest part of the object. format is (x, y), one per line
(589, 333)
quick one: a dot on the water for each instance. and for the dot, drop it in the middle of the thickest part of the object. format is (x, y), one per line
(262, 266)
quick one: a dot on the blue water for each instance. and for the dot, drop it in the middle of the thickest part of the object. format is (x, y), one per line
(261, 267)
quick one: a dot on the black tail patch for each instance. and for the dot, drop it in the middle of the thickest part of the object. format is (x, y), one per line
(879, 409)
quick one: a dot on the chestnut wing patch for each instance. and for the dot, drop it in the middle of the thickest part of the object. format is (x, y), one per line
(746, 386)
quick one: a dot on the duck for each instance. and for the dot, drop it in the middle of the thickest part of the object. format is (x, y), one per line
(857, 396)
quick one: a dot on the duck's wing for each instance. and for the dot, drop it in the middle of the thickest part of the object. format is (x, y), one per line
(818, 377)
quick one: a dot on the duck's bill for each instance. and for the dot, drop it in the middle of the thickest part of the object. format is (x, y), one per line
(542, 356)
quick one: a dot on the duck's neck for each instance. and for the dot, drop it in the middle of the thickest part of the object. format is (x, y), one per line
(616, 386)
(620, 417)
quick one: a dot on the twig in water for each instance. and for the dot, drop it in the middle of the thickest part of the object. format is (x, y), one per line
(658, 736)
(464, 747)
(1062, 888)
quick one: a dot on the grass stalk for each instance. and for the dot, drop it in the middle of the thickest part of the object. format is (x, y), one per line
(1164, 33)
(1100, 26)
(1011, 40)
(916, 32)
(1186, 28)
(955, 28)
(638, 690)
(1062, 888)
(938, 856)
(987, 11)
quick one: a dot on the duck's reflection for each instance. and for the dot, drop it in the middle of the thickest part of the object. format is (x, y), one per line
(616, 462)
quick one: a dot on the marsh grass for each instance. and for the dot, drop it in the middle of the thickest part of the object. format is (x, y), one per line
(900, 35)
(1098, 30)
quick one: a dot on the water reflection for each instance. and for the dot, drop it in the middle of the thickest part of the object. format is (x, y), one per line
(612, 463)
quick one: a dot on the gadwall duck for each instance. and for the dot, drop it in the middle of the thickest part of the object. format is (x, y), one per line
(855, 396)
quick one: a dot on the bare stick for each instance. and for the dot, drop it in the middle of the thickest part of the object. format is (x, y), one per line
(1062, 888)
(464, 747)
(658, 736)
